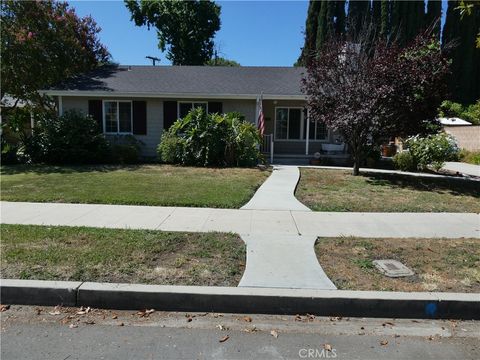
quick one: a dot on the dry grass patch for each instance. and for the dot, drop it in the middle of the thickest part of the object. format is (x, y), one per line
(451, 265)
(338, 190)
(130, 256)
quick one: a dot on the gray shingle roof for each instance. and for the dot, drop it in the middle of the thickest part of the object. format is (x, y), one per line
(215, 80)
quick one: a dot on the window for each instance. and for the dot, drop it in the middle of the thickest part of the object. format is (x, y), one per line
(288, 123)
(317, 130)
(291, 124)
(184, 107)
(117, 116)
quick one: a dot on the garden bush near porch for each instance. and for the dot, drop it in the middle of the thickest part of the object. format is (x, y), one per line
(201, 139)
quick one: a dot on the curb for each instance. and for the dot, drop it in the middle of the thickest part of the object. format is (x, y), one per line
(242, 300)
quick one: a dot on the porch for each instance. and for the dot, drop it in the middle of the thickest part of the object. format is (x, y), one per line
(291, 137)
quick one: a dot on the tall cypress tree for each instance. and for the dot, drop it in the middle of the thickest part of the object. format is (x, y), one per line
(322, 24)
(358, 15)
(310, 32)
(385, 18)
(433, 16)
(377, 16)
(339, 17)
(461, 32)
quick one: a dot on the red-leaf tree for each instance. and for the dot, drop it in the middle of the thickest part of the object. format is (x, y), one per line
(43, 43)
(367, 89)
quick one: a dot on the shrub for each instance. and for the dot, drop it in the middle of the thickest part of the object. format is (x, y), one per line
(471, 157)
(404, 161)
(69, 139)
(125, 149)
(470, 113)
(171, 146)
(202, 139)
(15, 129)
(432, 150)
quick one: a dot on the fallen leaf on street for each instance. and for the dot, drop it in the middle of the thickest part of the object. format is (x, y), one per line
(251, 330)
(89, 322)
(327, 347)
(73, 326)
(274, 334)
(83, 311)
(120, 324)
(114, 317)
(56, 312)
(223, 339)
(384, 342)
(4, 308)
(388, 323)
(145, 312)
(247, 319)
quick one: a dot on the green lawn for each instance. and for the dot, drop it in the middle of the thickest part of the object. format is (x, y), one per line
(338, 190)
(111, 255)
(135, 185)
(451, 265)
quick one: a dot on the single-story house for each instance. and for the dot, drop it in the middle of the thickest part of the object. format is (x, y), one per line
(145, 100)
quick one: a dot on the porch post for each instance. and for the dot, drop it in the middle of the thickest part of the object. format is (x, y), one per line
(60, 106)
(308, 133)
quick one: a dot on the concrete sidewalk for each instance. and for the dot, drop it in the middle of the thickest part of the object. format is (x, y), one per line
(278, 191)
(462, 168)
(247, 222)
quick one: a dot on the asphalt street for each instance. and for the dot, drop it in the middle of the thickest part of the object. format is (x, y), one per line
(29, 332)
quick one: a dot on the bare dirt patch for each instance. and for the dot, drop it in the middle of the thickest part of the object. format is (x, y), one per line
(450, 265)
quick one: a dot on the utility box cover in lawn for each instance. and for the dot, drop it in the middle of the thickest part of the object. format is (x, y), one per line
(392, 268)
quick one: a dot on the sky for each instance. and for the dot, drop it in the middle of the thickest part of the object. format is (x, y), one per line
(253, 33)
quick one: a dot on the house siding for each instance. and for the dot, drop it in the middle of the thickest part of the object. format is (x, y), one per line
(154, 119)
(155, 115)
(245, 107)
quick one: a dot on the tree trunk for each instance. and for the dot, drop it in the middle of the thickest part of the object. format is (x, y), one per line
(356, 167)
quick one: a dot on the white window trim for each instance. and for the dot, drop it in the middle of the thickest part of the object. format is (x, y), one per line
(191, 103)
(302, 122)
(118, 117)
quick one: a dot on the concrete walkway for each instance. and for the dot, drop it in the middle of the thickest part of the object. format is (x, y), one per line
(398, 172)
(462, 168)
(284, 261)
(246, 222)
(278, 191)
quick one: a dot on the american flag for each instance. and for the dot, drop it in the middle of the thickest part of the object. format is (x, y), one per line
(261, 117)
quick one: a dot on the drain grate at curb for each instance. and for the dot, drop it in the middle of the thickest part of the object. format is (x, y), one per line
(392, 268)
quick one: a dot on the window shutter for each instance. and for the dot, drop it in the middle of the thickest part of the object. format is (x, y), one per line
(215, 107)
(169, 113)
(95, 110)
(139, 117)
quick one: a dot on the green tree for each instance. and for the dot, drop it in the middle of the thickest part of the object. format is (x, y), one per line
(407, 20)
(43, 43)
(358, 15)
(339, 17)
(220, 61)
(310, 32)
(433, 16)
(462, 31)
(377, 15)
(185, 29)
(385, 18)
